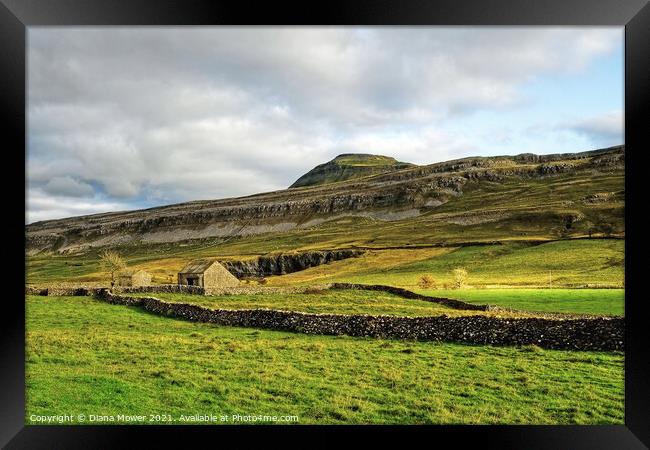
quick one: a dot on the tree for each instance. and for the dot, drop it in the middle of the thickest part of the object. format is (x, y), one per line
(588, 225)
(112, 262)
(460, 277)
(603, 226)
(427, 282)
(606, 228)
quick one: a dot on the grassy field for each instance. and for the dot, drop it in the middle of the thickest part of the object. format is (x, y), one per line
(329, 302)
(584, 301)
(567, 263)
(87, 357)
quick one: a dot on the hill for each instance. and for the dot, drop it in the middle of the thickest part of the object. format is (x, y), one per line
(471, 199)
(348, 166)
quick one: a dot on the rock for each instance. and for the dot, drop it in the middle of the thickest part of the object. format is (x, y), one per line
(286, 263)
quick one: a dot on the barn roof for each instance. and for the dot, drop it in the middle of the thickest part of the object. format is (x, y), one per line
(198, 266)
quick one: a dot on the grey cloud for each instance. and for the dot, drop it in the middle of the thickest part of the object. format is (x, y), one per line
(68, 186)
(183, 113)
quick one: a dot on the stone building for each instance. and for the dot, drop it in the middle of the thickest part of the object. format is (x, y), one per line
(134, 278)
(207, 274)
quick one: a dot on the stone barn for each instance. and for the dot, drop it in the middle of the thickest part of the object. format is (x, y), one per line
(134, 278)
(207, 274)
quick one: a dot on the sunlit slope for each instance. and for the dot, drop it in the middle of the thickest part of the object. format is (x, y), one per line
(576, 263)
(566, 263)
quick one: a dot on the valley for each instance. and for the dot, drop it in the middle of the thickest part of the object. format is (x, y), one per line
(539, 238)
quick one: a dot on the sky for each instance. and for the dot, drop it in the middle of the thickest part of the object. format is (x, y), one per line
(122, 118)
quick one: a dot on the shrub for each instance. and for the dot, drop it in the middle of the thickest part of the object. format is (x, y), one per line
(427, 282)
(460, 277)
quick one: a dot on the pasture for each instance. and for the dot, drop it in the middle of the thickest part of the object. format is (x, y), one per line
(85, 356)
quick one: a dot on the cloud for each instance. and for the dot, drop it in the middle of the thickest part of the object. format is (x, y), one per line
(68, 186)
(132, 116)
(44, 206)
(605, 128)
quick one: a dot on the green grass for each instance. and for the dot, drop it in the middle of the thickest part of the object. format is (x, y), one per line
(577, 262)
(569, 263)
(88, 357)
(583, 301)
(325, 302)
(367, 160)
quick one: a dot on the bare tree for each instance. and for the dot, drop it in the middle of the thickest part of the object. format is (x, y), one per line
(427, 282)
(112, 262)
(460, 277)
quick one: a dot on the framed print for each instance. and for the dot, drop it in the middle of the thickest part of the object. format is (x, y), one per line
(383, 218)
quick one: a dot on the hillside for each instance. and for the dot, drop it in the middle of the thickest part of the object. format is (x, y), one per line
(471, 199)
(349, 166)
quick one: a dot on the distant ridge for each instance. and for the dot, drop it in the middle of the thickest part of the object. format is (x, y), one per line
(540, 196)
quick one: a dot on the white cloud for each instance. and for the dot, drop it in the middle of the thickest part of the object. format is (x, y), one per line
(173, 114)
(607, 127)
(44, 206)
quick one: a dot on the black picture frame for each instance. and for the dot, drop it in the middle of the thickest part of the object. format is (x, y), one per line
(17, 15)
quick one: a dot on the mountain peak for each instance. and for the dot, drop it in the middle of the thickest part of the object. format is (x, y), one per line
(347, 166)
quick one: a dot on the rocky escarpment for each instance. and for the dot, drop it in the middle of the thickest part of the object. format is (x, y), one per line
(399, 193)
(286, 263)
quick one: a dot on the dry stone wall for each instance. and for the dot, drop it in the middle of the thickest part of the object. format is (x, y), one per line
(62, 291)
(164, 288)
(405, 293)
(571, 334)
(238, 290)
(251, 290)
(175, 288)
